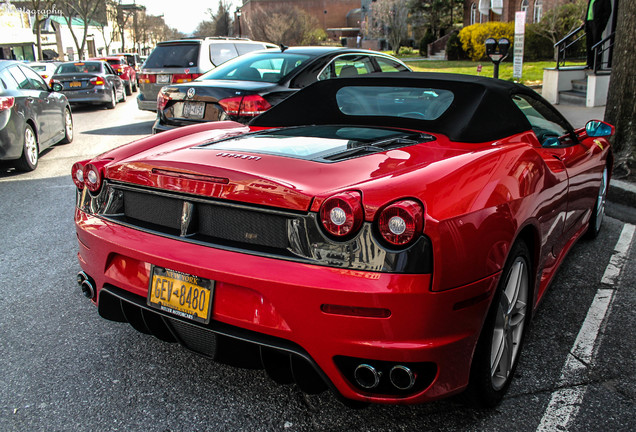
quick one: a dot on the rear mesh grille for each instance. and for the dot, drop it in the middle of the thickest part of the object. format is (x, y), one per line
(153, 209)
(243, 226)
(205, 221)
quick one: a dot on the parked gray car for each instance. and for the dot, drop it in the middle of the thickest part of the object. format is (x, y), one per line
(180, 61)
(32, 116)
(93, 82)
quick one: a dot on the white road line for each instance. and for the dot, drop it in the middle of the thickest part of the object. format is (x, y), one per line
(565, 402)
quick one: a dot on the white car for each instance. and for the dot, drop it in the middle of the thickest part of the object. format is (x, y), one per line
(45, 70)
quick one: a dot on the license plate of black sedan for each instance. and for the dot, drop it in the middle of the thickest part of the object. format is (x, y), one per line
(194, 110)
(181, 294)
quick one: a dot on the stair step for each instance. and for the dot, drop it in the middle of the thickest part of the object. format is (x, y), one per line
(572, 97)
(579, 85)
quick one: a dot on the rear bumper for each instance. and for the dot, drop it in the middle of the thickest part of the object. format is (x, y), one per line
(277, 304)
(101, 95)
(11, 134)
(146, 105)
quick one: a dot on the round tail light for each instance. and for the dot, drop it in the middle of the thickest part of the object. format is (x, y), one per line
(77, 172)
(401, 222)
(92, 177)
(341, 214)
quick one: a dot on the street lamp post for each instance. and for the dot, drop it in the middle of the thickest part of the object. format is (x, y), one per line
(238, 19)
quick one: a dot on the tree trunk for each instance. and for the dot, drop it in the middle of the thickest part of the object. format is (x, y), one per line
(621, 109)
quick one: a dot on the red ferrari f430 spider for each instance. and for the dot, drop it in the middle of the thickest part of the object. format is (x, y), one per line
(387, 236)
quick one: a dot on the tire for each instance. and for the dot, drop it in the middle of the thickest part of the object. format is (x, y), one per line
(135, 86)
(113, 100)
(598, 211)
(129, 88)
(30, 151)
(497, 352)
(68, 127)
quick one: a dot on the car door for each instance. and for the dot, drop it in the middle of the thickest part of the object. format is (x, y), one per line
(112, 78)
(580, 159)
(35, 105)
(347, 66)
(53, 105)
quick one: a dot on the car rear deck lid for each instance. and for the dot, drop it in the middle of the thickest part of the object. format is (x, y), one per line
(317, 143)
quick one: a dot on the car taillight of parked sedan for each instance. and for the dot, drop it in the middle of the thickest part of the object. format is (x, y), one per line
(181, 78)
(6, 102)
(245, 106)
(162, 100)
(97, 81)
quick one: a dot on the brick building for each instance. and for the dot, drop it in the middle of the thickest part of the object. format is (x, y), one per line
(504, 10)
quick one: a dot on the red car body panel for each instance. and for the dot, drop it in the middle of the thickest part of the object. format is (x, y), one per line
(126, 72)
(478, 198)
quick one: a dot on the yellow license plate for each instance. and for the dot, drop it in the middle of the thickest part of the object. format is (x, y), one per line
(75, 84)
(181, 294)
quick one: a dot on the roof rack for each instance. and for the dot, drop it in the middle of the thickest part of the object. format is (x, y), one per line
(215, 38)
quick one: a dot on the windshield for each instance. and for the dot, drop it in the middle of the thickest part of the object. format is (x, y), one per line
(79, 67)
(182, 55)
(263, 66)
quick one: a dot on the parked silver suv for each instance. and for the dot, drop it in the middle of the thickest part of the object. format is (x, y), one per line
(183, 60)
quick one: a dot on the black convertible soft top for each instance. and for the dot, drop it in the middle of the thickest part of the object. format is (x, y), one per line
(482, 108)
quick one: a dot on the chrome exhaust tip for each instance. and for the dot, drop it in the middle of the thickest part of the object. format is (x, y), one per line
(81, 277)
(367, 376)
(87, 289)
(402, 377)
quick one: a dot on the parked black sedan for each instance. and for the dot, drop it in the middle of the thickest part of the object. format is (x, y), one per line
(93, 82)
(32, 116)
(249, 85)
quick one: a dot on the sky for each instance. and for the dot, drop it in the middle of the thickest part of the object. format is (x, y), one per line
(184, 15)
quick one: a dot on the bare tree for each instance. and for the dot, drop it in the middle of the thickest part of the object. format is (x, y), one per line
(559, 22)
(40, 7)
(621, 109)
(390, 21)
(283, 25)
(105, 16)
(437, 15)
(86, 11)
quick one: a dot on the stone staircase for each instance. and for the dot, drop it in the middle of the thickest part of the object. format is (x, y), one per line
(440, 55)
(576, 96)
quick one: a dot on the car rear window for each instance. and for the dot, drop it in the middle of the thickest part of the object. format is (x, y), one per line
(174, 55)
(80, 67)
(222, 52)
(411, 102)
(265, 67)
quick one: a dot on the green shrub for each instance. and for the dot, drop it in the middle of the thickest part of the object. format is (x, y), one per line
(428, 38)
(454, 49)
(474, 36)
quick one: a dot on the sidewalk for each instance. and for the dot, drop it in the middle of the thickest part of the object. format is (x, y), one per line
(620, 192)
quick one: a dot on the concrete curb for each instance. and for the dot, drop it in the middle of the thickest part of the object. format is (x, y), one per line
(622, 192)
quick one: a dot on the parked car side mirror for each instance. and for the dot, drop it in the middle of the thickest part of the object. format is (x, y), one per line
(56, 86)
(597, 128)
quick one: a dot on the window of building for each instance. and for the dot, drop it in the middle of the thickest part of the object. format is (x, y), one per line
(473, 13)
(538, 10)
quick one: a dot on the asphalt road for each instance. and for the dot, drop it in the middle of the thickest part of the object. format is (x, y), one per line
(66, 369)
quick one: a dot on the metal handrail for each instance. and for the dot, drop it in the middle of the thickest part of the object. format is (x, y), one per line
(562, 47)
(596, 49)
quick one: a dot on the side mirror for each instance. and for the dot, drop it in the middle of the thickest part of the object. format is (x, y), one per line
(56, 86)
(597, 128)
